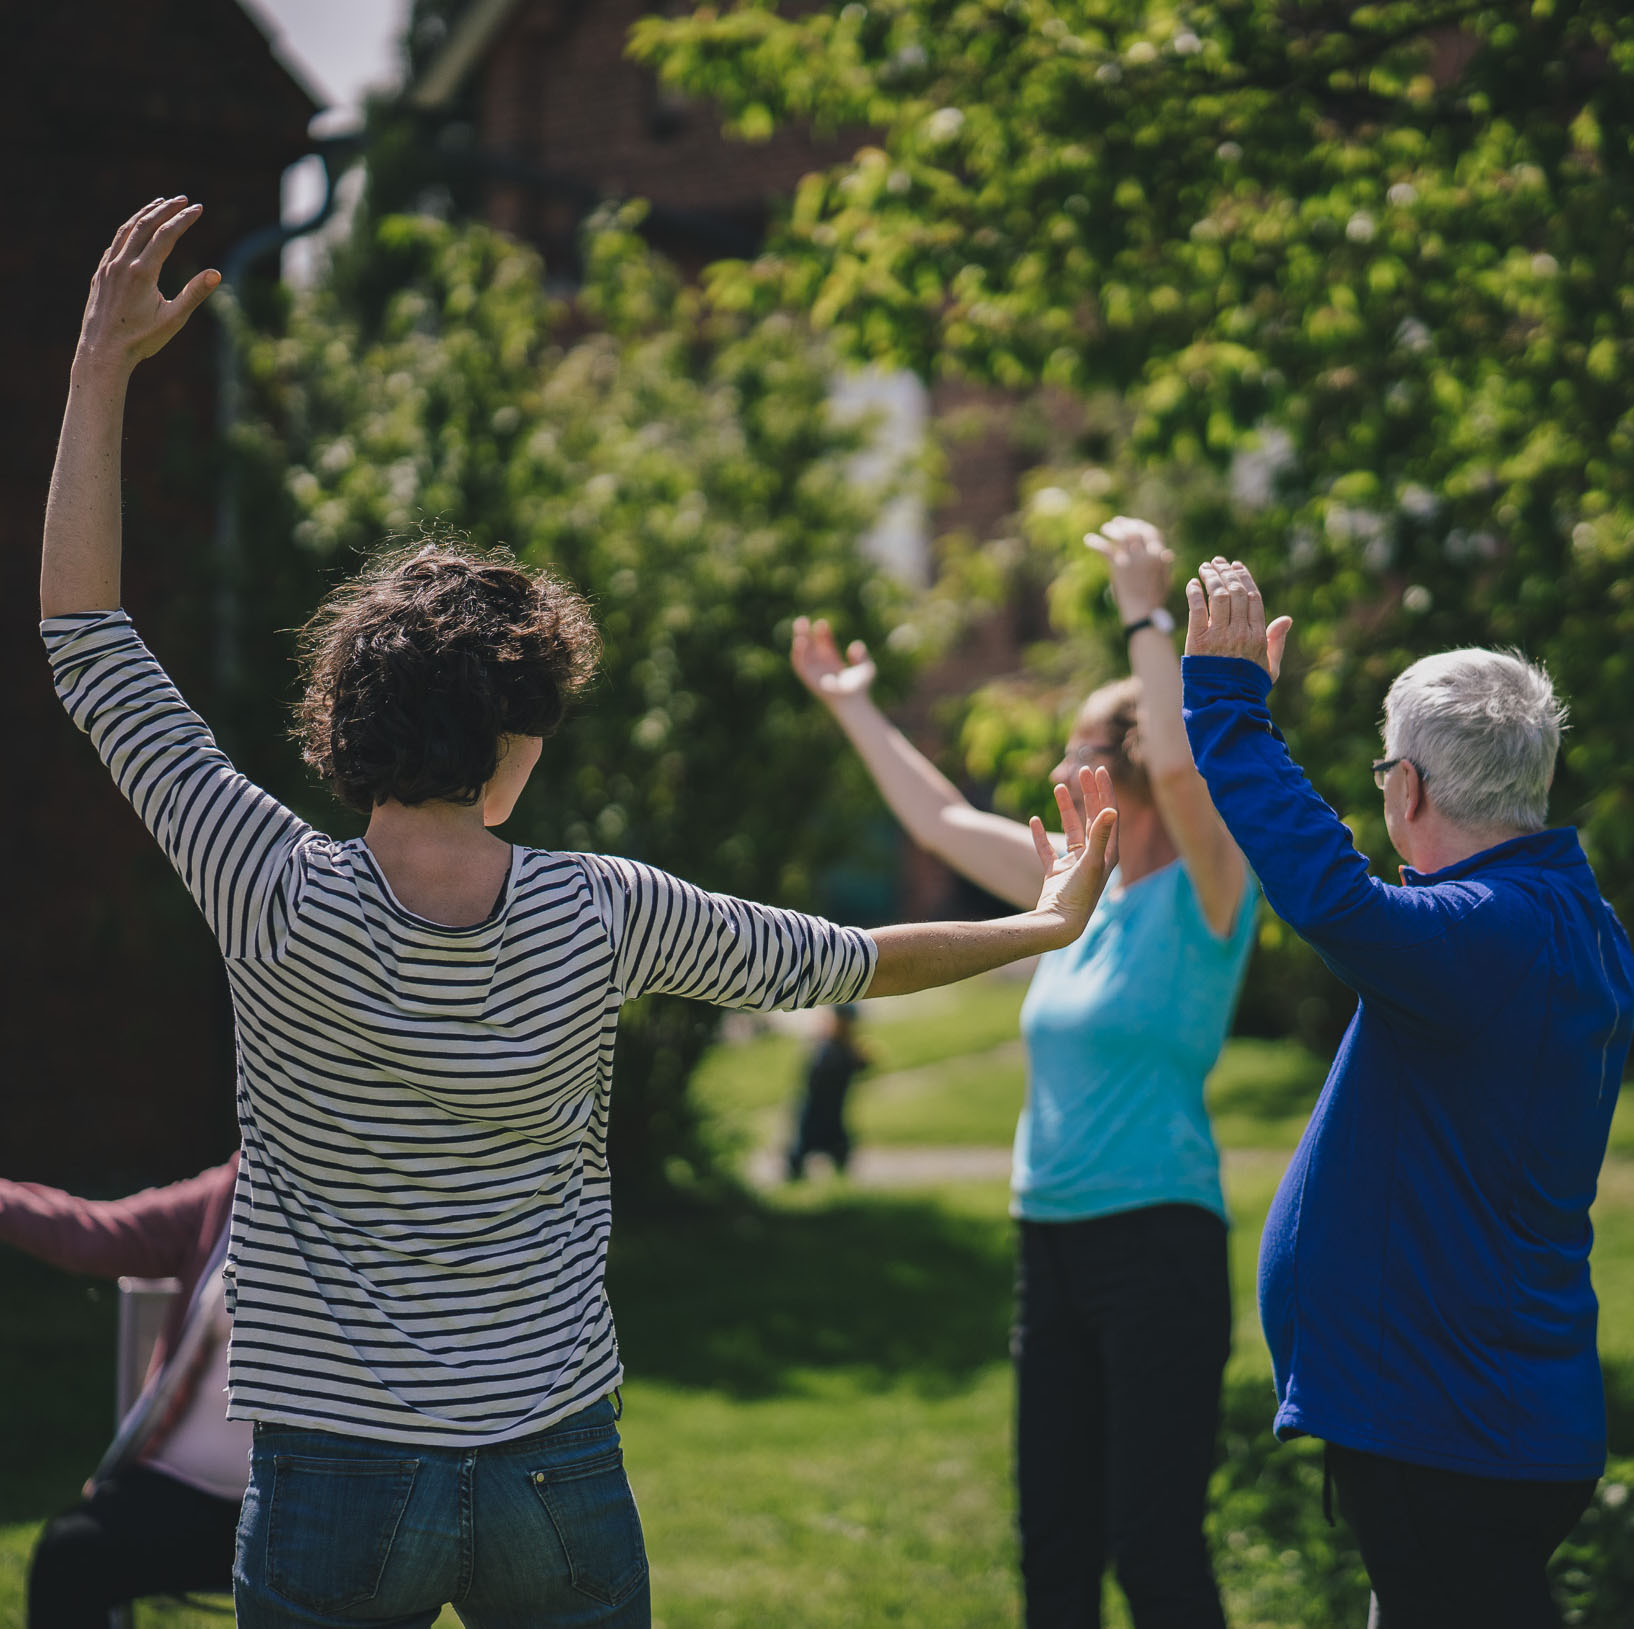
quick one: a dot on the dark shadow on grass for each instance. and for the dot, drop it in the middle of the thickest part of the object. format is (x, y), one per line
(735, 1298)
(56, 1384)
(1619, 1378)
(1275, 1555)
(1282, 1563)
(739, 1300)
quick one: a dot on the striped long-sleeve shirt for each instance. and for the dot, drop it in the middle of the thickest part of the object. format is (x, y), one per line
(420, 1225)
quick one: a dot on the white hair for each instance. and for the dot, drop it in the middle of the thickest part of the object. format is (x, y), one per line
(1483, 729)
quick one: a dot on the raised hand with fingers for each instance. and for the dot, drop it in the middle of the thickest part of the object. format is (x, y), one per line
(1140, 562)
(1074, 880)
(1225, 616)
(126, 318)
(833, 679)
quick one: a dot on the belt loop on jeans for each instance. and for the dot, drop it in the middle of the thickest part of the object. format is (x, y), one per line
(616, 1398)
(1327, 1483)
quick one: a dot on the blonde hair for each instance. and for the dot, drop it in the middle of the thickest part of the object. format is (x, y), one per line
(1112, 713)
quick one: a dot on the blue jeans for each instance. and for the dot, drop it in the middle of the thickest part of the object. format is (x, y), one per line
(540, 1531)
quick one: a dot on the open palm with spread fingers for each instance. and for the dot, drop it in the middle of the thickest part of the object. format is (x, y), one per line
(832, 678)
(1226, 617)
(1073, 880)
(126, 318)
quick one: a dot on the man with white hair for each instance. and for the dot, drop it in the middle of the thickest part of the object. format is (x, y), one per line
(1424, 1274)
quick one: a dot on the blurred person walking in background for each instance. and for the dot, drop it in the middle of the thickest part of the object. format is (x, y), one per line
(160, 1510)
(1123, 1317)
(819, 1124)
(1424, 1272)
(426, 1020)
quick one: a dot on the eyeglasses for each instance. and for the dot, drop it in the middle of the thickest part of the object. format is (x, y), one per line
(1087, 753)
(1383, 766)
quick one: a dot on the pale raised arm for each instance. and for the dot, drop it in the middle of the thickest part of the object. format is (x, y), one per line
(126, 319)
(994, 853)
(1141, 567)
(918, 955)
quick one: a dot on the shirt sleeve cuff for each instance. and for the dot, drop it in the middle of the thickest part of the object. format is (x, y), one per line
(1223, 678)
(54, 630)
(870, 959)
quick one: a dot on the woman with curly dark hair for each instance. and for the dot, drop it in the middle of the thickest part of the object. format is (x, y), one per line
(426, 1019)
(418, 668)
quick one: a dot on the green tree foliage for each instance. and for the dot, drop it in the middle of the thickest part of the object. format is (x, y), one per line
(1358, 276)
(678, 465)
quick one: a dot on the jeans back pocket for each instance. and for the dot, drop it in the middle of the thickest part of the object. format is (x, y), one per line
(330, 1527)
(593, 1511)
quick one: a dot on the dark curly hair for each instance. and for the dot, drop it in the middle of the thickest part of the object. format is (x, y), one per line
(417, 667)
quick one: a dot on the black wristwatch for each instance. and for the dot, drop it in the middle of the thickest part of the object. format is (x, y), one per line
(1159, 619)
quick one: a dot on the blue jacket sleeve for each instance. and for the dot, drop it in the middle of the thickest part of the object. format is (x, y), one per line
(1408, 947)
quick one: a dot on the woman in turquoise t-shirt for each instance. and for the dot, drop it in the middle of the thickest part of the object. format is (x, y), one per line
(1123, 1319)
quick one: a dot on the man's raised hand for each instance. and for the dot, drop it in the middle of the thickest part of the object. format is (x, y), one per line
(1225, 616)
(126, 318)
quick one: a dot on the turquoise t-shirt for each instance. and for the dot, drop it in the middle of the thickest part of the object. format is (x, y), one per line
(1121, 1028)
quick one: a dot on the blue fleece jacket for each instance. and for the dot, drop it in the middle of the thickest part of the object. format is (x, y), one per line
(1424, 1272)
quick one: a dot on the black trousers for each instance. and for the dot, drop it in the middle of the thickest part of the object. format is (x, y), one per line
(141, 1533)
(1444, 1549)
(1123, 1325)
(820, 1128)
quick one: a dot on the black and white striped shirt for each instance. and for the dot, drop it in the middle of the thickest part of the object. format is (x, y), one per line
(420, 1227)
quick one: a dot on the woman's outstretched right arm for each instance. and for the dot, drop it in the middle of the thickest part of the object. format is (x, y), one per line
(994, 853)
(672, 938)
(1067, 887)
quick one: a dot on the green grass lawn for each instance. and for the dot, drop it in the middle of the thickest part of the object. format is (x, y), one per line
(947, 1070)
(912, 1041)
(817, 1416)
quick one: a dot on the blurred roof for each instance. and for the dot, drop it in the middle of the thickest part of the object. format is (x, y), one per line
(465, 46)
(127, 79)
(294, 70)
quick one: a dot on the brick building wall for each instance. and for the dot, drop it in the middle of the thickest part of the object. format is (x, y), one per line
(556, 90)
(119, 1059)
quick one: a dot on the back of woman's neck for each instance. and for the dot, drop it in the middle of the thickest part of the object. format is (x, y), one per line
(439, 859)
(432, 828)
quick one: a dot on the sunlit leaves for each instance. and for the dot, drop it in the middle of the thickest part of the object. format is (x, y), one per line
(1399, 236)
(678, 464)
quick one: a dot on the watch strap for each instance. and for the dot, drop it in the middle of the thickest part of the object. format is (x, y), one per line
(1133, 628)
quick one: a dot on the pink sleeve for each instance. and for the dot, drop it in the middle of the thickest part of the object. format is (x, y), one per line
(152, 1234)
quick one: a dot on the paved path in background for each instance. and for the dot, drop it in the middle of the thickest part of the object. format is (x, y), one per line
(936, 1167)
(1617, 1179)
(893, 1167)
